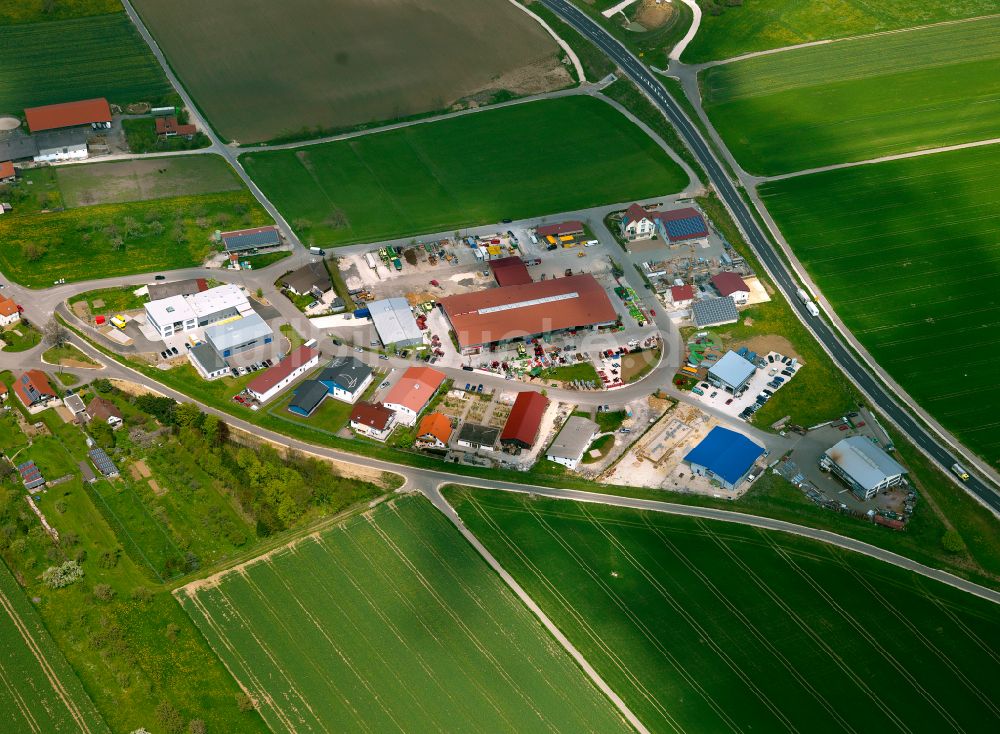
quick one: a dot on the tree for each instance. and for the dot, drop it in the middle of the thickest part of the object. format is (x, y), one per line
(215, 430)
(244, 702)
(33, 251)
(196, 726)
(952, 542)
(57, 577)
(170, 717)
(56, 334)
(187, 414)
(103, 592)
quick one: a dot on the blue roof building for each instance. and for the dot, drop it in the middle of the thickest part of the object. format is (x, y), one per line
(725, 456)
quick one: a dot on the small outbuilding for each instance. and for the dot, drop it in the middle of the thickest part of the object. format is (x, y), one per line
(308, 395)
(732, 285)
(475, 436)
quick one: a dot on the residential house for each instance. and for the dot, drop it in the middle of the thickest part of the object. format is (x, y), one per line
(102, 409)
(4, 393)
(9, 312)
(34, 389)
(681, 225)
(682, 295)
(373, 420)
(74, 403)
(434, 431)
(475, 436)
(637, 224)
(576, 435)
(312, 278)
(346, 378)
(168, 127)
(411, 394)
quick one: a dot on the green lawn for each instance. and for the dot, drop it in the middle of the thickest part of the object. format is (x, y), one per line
(38, 690)
(603, 444)
(610, 420)
(19, 337)
(466, 171)
(392, 621)
(79, 58)
(705, 626)
(115, 299)
(160, 234)
(264, 259)
(651, 45)
(31, 11)
(581, 371)
(859, 99)
(56, 355)
(741, 28)
(925, 306)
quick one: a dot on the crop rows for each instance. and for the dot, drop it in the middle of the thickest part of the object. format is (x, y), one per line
(63, 61)
(392, 622)
(859, 99)
(705, 626)
(908, 252)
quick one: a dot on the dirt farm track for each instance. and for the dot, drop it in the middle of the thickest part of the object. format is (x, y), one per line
(260, 70)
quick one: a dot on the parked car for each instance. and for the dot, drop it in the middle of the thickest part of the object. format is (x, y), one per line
(729, 402)
(160, 277)
(480, 388)
(358, 349)
(770, 358)
(383, 356)
(714, 393)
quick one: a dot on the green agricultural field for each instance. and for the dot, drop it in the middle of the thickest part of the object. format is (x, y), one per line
(906, 251)
(859, 99)
(117, 182)
(704, 626)
(38, 689)
(391, 621)
(66, 60)
(120, 239)
(741, 28)
(32, 11)
(262, 70)
(461, 172)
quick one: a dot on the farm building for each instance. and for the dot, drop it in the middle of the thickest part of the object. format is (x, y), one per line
(61, 145)
(572, 227)
(17, 146)
(103, 462)
(374, 420)
(475, 436)
(731, 373)
(574, 438)
(251, 239)
(434, 431)
(724, 456)
(101, 409)
(310, 278)
(33, 388)
(394, 322)
(681, 295)
(637, 224)
(207, 362)
(681, 225)
(9, 312)
(715, 312)
(525, 419)
(239, 335)
(68, 115)
(864, 467)
(74, 403)
(7, 172)
(732, 285)
(410, 395)
(519, 311)
(159, 291)
(307, 397)
(168, 127)
(346, 378)
(510, 271)
(276, 378)
(183, 313)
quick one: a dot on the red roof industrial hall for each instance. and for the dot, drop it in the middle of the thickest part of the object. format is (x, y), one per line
(521, 429)
(68, 114)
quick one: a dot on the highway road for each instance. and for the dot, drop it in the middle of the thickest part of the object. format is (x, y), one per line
(934, 446)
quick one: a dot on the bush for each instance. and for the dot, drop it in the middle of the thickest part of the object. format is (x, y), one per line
(952, 542)
(58, 577)
(103, 592)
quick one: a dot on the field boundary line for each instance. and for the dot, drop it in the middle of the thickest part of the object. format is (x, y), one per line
(817, 639)
(869, 638)
(751, 627)
(578, 67)
(584, 625)
(690, 619)
(872, 161)
(827, 41)
(438, 500)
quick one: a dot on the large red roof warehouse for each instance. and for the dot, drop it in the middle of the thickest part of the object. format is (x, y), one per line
(510, 312)
(68, 114)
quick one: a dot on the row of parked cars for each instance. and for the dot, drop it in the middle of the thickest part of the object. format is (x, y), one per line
(262, 365)
(171, 352)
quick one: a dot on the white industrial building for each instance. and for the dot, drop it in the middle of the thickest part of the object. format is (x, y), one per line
(732, 373)
(276, 378)
(864, 467)
(239, 335)
(394, 322)
(207, 362)
(61, 145)
(571, 443)
(169, 316)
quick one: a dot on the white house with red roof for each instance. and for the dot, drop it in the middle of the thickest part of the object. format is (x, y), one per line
(273, 380)
(411, 394)
(731, 284)
(9, 312)
(638, 224)
(681, 295)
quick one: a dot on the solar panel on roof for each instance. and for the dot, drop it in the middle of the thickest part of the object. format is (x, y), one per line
(687, 227)
(103, 462)
(250, 240)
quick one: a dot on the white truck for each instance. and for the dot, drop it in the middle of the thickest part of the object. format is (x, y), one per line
(812, 308)
(370, 259)
(317, 251)
(803, 296)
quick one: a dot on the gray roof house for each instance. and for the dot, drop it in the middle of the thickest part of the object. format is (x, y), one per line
(310, 278)
(574, 438)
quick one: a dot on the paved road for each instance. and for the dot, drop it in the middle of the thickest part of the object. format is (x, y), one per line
(936, 448)
(429, 482)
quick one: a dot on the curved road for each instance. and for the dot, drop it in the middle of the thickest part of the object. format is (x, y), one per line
(934, 447)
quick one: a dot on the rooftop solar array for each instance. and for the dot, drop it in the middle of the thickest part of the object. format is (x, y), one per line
(682, 229)
(235, 241)
(103, 462)
(713, 311)
(31, 475)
